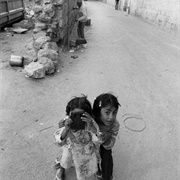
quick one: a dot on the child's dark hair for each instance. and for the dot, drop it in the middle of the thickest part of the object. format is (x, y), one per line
(80, 103)
(104, 100)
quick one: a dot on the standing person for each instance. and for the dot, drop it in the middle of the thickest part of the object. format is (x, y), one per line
(116, 4)
(80, 138)
(105, 109)
(82, 18)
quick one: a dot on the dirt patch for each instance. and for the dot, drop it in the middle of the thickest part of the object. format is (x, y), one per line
(16, 44)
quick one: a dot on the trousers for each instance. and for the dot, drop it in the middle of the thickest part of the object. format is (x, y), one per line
(106, 163)
(80, 29)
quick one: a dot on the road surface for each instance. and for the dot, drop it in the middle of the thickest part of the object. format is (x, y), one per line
(136, 61)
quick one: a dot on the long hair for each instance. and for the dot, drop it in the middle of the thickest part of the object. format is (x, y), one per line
(102, 101)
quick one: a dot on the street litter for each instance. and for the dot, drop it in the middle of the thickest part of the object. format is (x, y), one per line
(46, 128)
(10, 34)
(20, 30)
(74, 57)
(72, 50)
(16, 61)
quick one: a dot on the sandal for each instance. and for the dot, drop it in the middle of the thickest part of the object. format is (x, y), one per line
(57, 164)
(99, 175)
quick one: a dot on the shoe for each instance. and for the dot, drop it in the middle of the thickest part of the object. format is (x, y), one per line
(57, 164)
(99, 175)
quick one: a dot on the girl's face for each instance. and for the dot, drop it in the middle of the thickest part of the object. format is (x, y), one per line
(108, 115)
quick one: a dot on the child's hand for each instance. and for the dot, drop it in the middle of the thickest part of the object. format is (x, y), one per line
(68, 122)
(88, 119)
(105, 136)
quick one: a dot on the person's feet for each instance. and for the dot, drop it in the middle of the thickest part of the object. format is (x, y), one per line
(99, 175)
(60, 174)
(112, 178)
(57, 164)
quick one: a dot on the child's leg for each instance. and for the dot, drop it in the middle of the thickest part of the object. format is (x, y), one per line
(60, 174)
(65, 163)
(106, 164)
(66, 158)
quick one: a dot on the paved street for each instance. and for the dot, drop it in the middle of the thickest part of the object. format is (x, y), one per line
(136, 61)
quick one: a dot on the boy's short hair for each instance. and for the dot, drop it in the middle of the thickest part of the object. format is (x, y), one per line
(104, 100)
(80, 103)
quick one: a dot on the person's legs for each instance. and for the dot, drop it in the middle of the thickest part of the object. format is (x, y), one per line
(66, 158)
(60, 174)
(78, 30)
(107, 163)
(81, 30)
(64, 163)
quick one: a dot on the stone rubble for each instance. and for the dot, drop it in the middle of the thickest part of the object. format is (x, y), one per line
(56, 18)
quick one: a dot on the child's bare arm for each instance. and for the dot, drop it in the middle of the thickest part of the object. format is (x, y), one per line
(67, 125)
(62, 133)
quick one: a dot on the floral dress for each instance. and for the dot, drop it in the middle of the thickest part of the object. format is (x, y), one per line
(80, 148)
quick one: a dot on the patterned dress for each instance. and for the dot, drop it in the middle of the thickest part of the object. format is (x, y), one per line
(80, 148)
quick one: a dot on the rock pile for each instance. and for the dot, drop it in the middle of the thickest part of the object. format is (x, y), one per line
(56, 18)
(47, 57)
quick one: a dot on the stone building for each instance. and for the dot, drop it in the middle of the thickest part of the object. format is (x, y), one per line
(163, 13)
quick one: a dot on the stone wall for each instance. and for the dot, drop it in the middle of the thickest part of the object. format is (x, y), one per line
(57, 17)
(163, 13)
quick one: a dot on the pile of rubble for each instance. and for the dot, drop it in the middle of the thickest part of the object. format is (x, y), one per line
(47, 57)
(47, 51)
(55, 18)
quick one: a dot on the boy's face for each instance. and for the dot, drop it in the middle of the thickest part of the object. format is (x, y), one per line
(108, 115)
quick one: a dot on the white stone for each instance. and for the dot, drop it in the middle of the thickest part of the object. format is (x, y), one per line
(49, 53)
(48, 65)
(35, 70)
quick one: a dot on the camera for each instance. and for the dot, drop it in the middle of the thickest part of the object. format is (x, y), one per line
(77, 123)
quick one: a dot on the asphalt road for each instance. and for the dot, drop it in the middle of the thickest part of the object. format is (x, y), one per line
(136, 61)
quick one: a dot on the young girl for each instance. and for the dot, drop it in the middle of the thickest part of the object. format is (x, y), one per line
(79, 136)
(105, 109)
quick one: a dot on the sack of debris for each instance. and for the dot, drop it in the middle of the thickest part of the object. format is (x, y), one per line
(35, 70)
